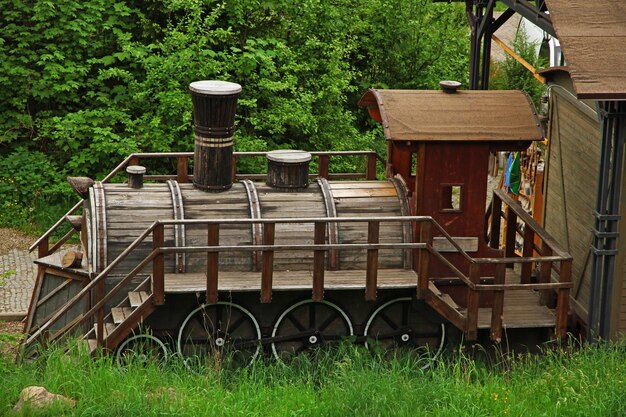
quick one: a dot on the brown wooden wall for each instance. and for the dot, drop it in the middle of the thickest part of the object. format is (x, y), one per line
(571, 185)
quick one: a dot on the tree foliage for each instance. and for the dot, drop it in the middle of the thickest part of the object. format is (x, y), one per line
(84, 83)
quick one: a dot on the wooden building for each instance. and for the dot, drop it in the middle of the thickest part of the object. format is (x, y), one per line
(587, 130)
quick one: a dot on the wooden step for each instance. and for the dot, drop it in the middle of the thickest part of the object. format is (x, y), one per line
(108, 329)
(120, 313)
(137, 298)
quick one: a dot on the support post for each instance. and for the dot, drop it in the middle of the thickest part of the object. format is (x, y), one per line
(496, 220)
(497, 310)
(370, 170)
(607, 217)
(527, 252)
(423, 256)
(99, 295)
(268, 263)
(212, 263)
(158, 266)
(319, 262)
(371, 281)
(323, 166)
(182, 169)
(562, 300)
(473, 299)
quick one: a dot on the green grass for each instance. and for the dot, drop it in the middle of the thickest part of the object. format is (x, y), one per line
(586, 382)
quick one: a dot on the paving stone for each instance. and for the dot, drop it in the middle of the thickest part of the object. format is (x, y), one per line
(17, 279)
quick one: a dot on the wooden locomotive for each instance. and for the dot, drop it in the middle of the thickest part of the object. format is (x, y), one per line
(291, 264)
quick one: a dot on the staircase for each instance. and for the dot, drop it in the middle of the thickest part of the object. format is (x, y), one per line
(123, 318)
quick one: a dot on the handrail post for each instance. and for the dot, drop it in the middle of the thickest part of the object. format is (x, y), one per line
(511, 233)
(158, 265)
(99, 295)
(371, 278)
(496, 218)
(318, 261)
(527, 252)
(323, 166)
(268, 262)
(234, 167)
(562, 301)
(545, 273)
(423, 256)
(498, 304)
(212, 263)
(471, 330)
(370, 170)
(182, 169)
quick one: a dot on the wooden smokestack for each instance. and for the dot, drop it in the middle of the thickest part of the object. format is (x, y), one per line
(214, 106)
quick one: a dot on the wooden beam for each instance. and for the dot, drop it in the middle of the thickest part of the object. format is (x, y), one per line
(519, 59)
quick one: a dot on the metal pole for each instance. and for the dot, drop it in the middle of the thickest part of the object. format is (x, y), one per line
(606, 224)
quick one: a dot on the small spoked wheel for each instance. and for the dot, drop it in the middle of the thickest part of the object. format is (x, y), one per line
(404, 324)
(223, 332)
(308, 325)
(141, 349)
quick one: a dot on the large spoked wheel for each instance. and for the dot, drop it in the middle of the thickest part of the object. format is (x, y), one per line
(308, 325)
(403, 324)
(223, 333)
(141, 349)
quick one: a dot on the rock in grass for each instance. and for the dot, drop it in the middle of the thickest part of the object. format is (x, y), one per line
(39, 397)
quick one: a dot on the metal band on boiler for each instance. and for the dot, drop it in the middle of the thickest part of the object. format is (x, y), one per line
(100, 226)
(331, 211)
(401, 188)
(179, 229)
(207, 142)
(255, 213)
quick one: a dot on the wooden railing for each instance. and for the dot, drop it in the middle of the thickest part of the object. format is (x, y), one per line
(156, 258)
(423, 248)
(182, 175)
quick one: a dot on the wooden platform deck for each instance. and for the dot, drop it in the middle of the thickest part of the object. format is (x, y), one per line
(521, 309)
(289, 280)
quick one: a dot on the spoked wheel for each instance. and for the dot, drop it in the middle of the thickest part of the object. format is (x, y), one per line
(224, 332)
(141, 349)
(308, 325)
(403, 324)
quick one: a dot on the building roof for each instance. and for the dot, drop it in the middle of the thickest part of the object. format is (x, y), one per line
(593, 40)
(474, 115)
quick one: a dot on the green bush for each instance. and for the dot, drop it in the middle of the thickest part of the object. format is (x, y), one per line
(85, 83)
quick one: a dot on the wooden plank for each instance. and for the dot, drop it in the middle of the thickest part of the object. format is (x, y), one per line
(468, 244)
(290, 280)
(119, 314)
(134, 297)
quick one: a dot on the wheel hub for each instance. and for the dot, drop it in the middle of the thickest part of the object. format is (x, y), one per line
(313, 339)
(220, 341)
